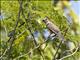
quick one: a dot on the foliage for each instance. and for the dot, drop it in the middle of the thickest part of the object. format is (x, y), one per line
(30, 20)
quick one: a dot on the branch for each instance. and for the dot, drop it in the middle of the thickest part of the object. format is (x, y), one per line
(57, 51)
(30, 30)
(69, 55)
(60, 44)
(5, 51)
(30, 51)
(18, 18)
(11, 39)
(9, 47)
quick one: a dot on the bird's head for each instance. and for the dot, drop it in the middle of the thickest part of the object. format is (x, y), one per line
(45, 20)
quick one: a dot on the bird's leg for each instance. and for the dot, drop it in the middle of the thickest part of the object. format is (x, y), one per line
(52, 36)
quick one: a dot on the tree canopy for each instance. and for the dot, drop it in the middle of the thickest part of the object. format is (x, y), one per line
(25, 37)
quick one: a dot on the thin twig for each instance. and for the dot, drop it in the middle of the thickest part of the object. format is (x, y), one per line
(5, 52)
(60, 44)
(13, 38)
(57, 51)
(30, 51)
(20, 34)
(69, 55)
(9, 47)
(30, 30)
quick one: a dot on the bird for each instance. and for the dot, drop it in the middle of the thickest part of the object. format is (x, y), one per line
(53, 28)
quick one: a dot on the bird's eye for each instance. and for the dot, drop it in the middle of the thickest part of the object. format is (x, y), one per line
(43, 20)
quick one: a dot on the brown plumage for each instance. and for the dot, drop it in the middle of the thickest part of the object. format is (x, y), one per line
(52, 27)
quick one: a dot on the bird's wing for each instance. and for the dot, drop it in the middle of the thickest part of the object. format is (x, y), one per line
(53, 28)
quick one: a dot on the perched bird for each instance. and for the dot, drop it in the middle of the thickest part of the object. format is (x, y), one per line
(53, 28)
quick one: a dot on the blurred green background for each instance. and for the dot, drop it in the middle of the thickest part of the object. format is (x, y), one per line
(21, 26)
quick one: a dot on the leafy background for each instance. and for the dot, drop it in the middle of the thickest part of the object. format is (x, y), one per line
(30, 27)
